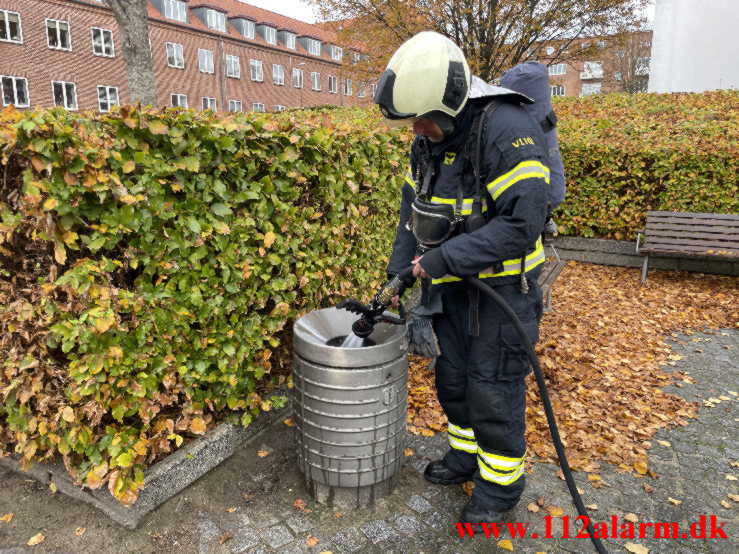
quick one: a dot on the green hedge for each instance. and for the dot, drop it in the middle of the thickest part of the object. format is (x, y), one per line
(158, 257)
(151, 262)
(627, 154)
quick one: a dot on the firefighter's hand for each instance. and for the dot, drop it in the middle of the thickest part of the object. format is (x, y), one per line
(395, 301)
(418, 271)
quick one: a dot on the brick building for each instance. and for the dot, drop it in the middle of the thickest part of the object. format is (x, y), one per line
(226, 55)
(615, 64)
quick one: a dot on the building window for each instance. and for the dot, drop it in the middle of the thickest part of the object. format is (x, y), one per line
(600, 44)
(558, 90)
(592, 70)
(290, 41)
(257, 107)
(233, 66)
(337, 53)
(57, 34)
(550, 50)
(65, 94)
(175, 57)
(10, 27)
(356, 57)
(175, 9)
(278, 74)
(107, 97)
(373, 90)
(314, 47)
(102, 42)
(315, 80)
(205, 60)
(348, 87)
(642, 66)
(209, 103)
(558, 69)
(235, 106)
(179, 100)
(216, 20)
(590, 88)
(333, 85)
(257, 74)
(360, 90)
(297, 78)
(15, 91)
(617, 76)
(249, 29)
(270, 35)
(279, 108)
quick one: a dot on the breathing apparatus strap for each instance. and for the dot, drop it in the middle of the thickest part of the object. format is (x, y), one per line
(476, 220)
(425, 168)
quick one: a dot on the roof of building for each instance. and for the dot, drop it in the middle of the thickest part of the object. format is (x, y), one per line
(237, 8)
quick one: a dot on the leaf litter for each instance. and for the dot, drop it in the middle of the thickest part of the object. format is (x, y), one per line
(602, 349)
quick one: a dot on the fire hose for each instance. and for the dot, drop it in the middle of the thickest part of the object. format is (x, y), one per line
(372, 314)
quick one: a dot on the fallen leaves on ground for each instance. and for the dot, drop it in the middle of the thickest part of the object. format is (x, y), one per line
(468, 487)
(229, 510)
(289, 422)
(301, 505)
(633, 518)
(80, 531)
(556, 511)
(36, 539)
(505, 544)
(601, 350)
(262, 453)
(224, 538)
(533, 507)
(311, 541)
(674, 501)
(408, 452)
(6, 518)
(636, 548)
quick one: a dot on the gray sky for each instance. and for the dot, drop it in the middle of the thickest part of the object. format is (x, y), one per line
(297, 9)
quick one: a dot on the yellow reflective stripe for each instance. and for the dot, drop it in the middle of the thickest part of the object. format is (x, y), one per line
(510, 267)
(465, 432)
(466, 203)
(524, 170)
(409, 179)
(467, 446)
(496, 461)
(506, 480)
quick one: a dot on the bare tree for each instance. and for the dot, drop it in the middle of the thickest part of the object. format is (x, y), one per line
(133, 23)
(494, 34)
(626, 62)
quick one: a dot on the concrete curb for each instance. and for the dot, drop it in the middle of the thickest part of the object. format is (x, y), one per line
(623, 253)
(164, 479)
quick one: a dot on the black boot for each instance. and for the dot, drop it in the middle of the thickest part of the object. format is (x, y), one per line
(437, 472)
(476, 513)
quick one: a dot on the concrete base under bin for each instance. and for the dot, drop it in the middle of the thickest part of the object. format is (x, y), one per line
(351, 498)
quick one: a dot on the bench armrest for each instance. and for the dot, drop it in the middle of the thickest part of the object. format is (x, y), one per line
(639, 233)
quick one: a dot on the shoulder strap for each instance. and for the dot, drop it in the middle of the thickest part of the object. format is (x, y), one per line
(474, 146)
(549, 122)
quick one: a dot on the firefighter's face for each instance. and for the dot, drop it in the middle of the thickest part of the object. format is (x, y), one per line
(424, 126)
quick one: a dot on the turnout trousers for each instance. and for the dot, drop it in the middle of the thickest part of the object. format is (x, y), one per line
(481, 385)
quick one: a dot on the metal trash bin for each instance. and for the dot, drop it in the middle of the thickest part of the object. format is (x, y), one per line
(350, 408)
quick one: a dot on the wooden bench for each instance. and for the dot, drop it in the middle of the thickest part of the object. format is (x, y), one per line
(548, 275)
(689, 234)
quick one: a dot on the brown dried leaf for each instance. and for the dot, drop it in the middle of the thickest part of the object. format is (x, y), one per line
(648, 488)
(197, 426)
(468, 487)
(80, 531)
(636, 548)
(6, 518)
(725, 504)
(641, 467)
(541, 501)
(633, 518)
(408, 452)
(311, 541)
(36, 539)
(532, 507)
(734, 497)
(289, 422)
(231, 510)
(674, 501)
(224, 538)
(262, 453)
(556, 511)
(506, 544)
(592, 506)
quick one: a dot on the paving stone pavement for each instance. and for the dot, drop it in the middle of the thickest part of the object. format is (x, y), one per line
(417, 516)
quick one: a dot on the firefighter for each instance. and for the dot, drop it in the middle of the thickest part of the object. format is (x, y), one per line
(457, 222)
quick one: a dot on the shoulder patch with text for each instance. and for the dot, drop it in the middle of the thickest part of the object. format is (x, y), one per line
(522, 141)
(449, 158)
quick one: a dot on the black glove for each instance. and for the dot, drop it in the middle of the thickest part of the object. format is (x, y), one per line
(423, 340)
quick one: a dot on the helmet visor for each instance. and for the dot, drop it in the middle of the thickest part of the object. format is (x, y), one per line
(384, 97)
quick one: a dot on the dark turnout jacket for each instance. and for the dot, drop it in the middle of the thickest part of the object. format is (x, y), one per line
(515, 174)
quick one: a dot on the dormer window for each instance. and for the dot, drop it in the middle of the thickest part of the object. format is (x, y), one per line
(314, 47)
(215, 20)
(249, 29)
(175, 9)
(290, 41)
(270, 35)
(337, 53)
